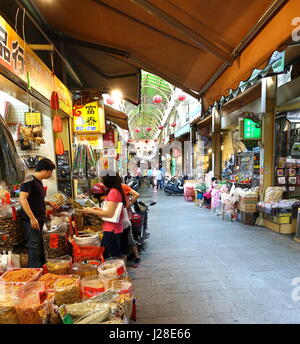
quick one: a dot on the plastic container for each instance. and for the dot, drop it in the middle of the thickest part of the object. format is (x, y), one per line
(83, 269)
(49, 279)
(67, 290)
(92, 286)
(58, 266)
(21, 275)
(112, 269)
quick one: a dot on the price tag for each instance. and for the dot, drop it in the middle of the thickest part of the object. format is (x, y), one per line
(90, 292)
(54, 240)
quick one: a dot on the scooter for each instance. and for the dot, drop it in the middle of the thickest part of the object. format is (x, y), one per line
(134, 183)
(174, 187)
(139, 221)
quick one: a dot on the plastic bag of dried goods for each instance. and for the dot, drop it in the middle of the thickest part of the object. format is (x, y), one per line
(33, 306)
(8, 300)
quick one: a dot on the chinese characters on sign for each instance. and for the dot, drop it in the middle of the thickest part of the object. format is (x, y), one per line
(91, 119)
(17, 57)
(33, 118)
(251, 132)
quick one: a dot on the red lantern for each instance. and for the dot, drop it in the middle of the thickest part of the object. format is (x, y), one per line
(157, 99)
(173, 125)
(54, 102)
(137, 130)
(109, 100)
(148, 129)
(161, 127)
(181, 97)
(146, 141)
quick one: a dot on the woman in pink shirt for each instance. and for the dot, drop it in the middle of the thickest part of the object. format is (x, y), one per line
(111, 231)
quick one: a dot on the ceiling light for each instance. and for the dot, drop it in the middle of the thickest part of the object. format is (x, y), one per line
(116, 95)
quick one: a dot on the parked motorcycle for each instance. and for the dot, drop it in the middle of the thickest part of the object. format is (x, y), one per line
(134, 183)
(174, 187)
(139, 221)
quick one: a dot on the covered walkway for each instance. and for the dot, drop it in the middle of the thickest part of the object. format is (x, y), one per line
(198, 269)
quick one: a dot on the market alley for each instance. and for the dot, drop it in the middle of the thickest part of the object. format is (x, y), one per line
(197, 268)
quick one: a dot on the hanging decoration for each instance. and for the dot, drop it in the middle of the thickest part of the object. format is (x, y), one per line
(181, 97)
(161, 127)
(137, 130)
(54, 101)
(173, 125)
(157, 99)
(149, 129)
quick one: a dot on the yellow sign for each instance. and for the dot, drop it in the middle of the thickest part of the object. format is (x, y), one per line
(33, 118)
(119, 147)
(94, 140)
(90, 119)
(18, 58)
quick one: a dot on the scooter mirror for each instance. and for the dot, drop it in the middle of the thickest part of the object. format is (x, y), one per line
(152, 203)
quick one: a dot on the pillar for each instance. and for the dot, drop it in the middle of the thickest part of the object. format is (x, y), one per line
(216, 143)
(268, 103)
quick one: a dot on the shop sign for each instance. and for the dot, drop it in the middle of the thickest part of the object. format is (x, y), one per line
(94, 140)
(109, 153)
(109, 139)
(33, 118)
(90, 119)
(293, 116)
(18, 58)
(250, 130)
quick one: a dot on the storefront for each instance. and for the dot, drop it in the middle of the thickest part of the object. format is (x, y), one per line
(202, 148)
(27, 86)
(241, 139)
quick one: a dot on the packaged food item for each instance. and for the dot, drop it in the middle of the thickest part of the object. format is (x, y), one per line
(59, 266)
(67, 290)
(8, 300)
(113, 268)
(11, 230)
(21, 275)
(87, 239)
(84, 269)
(33, 307)
(93, 285)
(78, 310)
(95, 317)
(122, 286)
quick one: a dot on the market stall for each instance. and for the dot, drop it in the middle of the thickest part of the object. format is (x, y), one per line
(75, 285)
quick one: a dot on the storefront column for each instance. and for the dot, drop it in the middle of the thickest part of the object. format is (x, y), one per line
(268, 103)
(216, 143)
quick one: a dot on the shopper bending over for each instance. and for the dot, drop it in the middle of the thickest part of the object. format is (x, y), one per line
(32, 200)
(111, 231)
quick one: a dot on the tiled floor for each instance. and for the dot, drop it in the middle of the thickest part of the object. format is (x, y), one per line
(199, 269)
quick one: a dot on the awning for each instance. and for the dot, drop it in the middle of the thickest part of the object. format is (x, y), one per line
(186, 43)
(182, 131)
(116, 116)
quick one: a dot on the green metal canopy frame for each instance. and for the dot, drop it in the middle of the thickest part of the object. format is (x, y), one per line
(149, 114)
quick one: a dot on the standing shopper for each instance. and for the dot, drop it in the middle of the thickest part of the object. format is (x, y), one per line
(127, 239)
(32, 200)
(111, 231)
(159, 179)
(150, 178)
